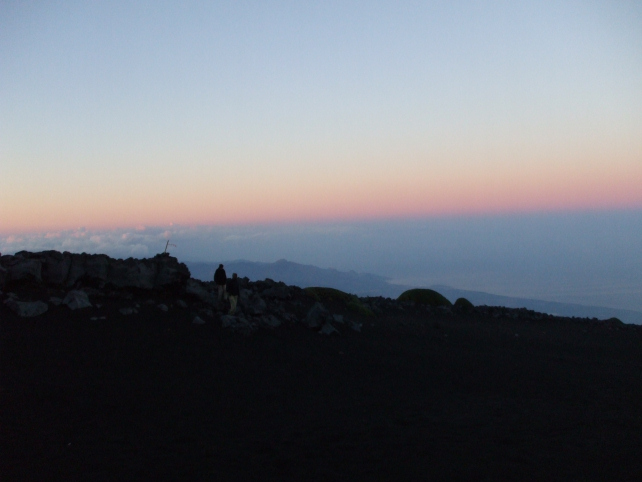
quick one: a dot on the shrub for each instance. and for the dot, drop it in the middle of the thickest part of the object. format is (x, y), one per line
(463, 304)
(424, 297)
(352, 302)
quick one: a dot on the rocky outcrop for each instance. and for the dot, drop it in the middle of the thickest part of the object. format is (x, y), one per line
(53, 268)
(81, 281)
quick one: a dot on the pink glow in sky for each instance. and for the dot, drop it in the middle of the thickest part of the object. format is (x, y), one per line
(217, 113)
(354, 198)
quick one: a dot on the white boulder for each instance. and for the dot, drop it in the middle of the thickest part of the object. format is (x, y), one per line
(76, 299)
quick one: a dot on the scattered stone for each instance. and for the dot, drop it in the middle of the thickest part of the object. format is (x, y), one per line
(181, 303)
(54, 300)
(76, 299)
(328, 329)
(238, 324)
(227, 321)
(254, 304)
(289, 317)
(337, 318)
(316, 316)
(198, 320)
(127, 311)
(354, 326)
(270, 321)
(27, 309)
(163, 307)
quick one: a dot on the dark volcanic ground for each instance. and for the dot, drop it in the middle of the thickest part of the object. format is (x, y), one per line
(414, 396)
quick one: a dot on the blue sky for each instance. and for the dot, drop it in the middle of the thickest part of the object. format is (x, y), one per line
(122, 114)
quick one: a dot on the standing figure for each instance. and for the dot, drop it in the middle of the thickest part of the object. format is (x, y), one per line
(233, 292)
(220, 279)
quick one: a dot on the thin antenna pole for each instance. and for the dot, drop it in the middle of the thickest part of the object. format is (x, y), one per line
(167, 245)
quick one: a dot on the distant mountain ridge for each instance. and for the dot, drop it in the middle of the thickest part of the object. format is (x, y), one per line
(302, 275)
(367, 284)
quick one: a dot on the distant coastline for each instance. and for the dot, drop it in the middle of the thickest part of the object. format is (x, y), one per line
(367, 284)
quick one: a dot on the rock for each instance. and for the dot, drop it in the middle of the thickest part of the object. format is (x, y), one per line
(244, 296)
(338, 318)
(181, 303)
(254, 304)
(270, 321)
(76, 299)
(198, 320)
(169, 272)
(198, 289)
(354, 326)
(76, 269)
(289, 317)
(27, 309)
(317, 315)
(97, 268)
(23, 268)
(132, 273)
(238, 324)
(280, 291)
(55, 267)
(163, 307)
(207, 312)
(54, 300)
(127, 311)
(4, 277)
(227, 321)
(328, 329)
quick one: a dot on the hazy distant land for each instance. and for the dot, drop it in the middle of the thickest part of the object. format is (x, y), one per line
(367, 284)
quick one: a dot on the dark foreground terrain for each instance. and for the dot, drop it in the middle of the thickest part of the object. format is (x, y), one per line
(415, 395)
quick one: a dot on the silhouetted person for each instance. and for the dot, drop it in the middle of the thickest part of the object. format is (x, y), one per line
(220, 278)
(233, 292)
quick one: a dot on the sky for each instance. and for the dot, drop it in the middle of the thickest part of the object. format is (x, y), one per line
(427, 123)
